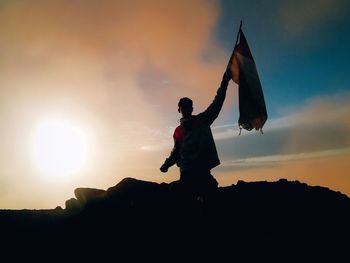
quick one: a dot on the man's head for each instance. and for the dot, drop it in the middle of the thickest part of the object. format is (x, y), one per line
(185, 107)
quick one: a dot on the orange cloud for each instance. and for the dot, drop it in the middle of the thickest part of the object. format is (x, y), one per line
(116, 40)
(96, 54)
(323, 124)
(91, 61)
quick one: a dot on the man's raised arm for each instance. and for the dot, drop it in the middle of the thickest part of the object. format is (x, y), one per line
(212, 112)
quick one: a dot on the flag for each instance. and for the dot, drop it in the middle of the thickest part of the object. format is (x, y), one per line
(252, 108)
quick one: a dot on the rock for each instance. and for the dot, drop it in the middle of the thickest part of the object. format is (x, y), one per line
(72, 204)
(131, 185)
(85, 195)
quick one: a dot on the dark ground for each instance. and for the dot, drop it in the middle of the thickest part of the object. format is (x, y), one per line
(144, 221)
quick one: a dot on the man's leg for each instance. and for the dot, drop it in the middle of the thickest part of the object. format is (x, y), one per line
(208, 183)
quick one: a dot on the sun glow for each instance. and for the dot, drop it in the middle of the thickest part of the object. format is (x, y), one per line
(59, 148)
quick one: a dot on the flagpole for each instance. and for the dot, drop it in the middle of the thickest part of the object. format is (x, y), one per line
(239, 31)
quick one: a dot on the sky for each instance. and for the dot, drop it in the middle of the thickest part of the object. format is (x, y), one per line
(115, 70)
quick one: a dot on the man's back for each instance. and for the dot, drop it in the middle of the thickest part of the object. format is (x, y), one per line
(194, 146)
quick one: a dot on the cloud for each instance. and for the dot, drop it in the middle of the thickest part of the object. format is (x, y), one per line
(113, 61)
(321, 124)
(300, 16)
(108, 62)
(116, 67)
(116, 40)
(275, 160)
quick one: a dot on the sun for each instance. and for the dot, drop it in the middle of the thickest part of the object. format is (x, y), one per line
(59, 148)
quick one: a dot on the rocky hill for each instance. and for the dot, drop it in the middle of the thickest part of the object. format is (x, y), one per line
(138, 220)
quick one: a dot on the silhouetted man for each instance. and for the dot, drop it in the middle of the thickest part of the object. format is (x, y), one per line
(194, 148)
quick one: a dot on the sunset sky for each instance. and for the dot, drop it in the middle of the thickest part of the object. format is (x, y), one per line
(109, 74)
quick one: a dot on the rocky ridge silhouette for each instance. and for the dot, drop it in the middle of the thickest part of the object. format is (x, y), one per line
(140, 220)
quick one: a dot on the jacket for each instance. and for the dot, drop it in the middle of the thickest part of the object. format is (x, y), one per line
(194, 145)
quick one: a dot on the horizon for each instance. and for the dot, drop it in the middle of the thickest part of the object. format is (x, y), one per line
(107, 77)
